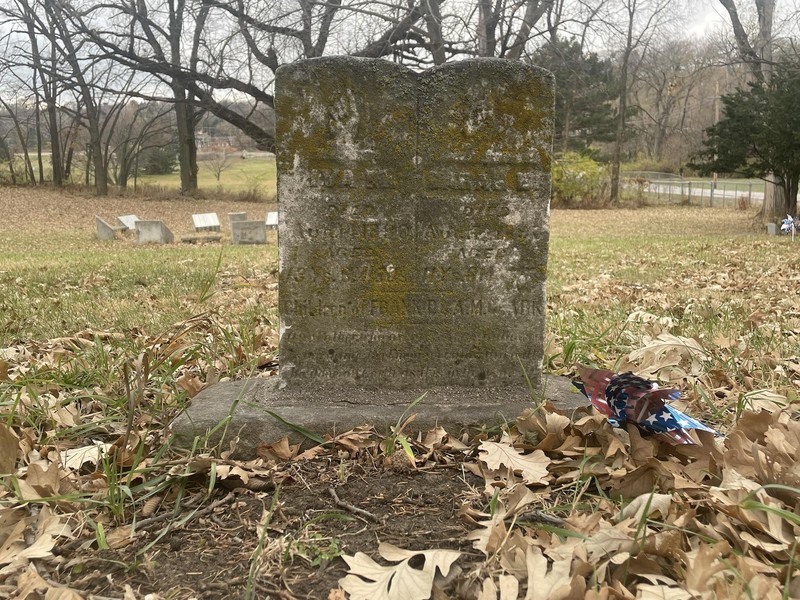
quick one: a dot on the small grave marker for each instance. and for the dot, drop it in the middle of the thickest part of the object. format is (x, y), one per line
(153, 232)
(105, 231)
(128, 221)
(206, 222)
(248, 232)
(272, 220)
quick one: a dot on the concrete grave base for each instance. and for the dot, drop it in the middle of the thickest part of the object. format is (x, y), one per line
(336, 410)
(201, 238)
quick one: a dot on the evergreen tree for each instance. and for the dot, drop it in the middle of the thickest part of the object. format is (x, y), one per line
(758, 134)
(585, 90)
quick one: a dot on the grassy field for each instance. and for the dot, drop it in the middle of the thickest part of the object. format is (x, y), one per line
(253, 177)
(236, 176)
(106, 341)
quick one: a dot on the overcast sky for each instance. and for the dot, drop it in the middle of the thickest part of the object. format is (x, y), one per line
(709, 14)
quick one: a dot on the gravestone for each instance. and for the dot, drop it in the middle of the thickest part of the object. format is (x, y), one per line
(413, 250)
(415, 223)
(206, 222)
(128, 221)
(248, 232)
(237, 216)
(272, 220)
(153, 232)
(106, 231)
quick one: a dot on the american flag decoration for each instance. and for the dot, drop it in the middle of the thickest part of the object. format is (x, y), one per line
(625, 397)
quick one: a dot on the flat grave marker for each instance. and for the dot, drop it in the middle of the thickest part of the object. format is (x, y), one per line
(128, 221)
(206, 222)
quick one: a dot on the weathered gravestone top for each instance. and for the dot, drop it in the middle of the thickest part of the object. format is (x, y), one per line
(414, 222)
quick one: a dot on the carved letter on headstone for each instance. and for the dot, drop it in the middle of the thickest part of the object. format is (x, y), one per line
(414, 222)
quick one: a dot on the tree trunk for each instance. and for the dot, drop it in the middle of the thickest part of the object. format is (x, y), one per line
(791, 198)
(187, 147)
(55, 144)
(96, 142)
(758, 57)
(70, 55)
(775, 203)
(433, 22)
(50, 96)
(616, 156)
(487, 21)
(26, 157)
(534, 11)
(184, 112)
(68, 162)
(37, 119)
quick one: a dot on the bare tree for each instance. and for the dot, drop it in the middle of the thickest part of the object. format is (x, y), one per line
(32, 56)
(151, 38)
(756, 51)
(132, 128)
(665, 92)
(639, 22)
(216, 67)
(217, 162)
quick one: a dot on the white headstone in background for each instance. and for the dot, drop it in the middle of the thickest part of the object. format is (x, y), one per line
(272, 220)
(206, 222)
(128, 221)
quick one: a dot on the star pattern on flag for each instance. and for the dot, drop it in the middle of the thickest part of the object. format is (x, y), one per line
(625, 397)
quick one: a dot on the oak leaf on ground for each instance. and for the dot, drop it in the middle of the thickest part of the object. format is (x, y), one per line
(368, 580)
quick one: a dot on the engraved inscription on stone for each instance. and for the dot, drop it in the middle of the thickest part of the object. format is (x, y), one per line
(414, 226)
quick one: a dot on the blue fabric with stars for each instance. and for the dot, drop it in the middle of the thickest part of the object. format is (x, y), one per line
(627, 398)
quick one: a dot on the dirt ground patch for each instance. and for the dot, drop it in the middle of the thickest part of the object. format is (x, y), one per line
(211, 556)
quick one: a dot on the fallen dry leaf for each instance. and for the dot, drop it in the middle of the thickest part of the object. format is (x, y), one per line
(547, 582)
(9, 444)
(75, 458)
(647, 505)
(31, 586)
(281, 450)
(646, 591)
(367, 580)
(532, 467)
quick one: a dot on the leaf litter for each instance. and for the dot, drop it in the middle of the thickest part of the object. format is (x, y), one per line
(551, 506)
